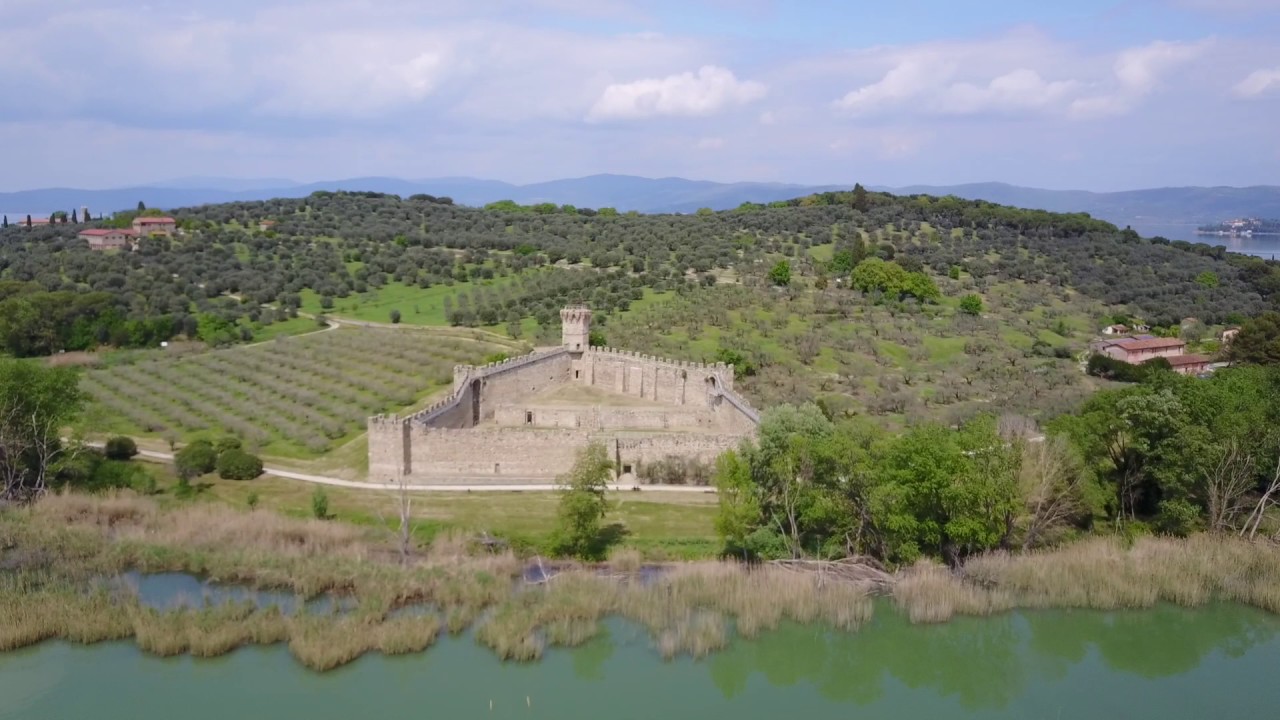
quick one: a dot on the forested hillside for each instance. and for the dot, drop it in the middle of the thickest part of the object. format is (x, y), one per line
(877, 303)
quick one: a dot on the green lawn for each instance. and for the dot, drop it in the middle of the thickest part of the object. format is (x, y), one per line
(661, 525)
(417, 306)
(942, 349)
(823, 253)
(286, 328)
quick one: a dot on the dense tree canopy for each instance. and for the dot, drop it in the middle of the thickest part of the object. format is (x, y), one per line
(223, 269)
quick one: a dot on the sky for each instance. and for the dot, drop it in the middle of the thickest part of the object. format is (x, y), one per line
(1087, 94)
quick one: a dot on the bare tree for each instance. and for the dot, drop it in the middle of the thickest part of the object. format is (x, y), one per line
(1051, 481)
(1226, 486)
(1250, 529)
(404, 506)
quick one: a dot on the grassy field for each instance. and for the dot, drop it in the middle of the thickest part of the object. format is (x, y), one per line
(417, 306)
(661, 526)
(291, 397)
(285, 328)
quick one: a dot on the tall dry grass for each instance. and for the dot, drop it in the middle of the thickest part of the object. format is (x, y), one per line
(689, 609)
(1100, 573)
(55, 549)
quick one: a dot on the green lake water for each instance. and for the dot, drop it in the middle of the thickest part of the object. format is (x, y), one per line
(1165, 664)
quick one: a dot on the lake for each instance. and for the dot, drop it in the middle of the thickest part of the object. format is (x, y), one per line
(1166, 663)
(1267, 246)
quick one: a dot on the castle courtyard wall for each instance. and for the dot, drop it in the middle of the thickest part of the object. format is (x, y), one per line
(597, 417)
(440, 455)
(701, 416)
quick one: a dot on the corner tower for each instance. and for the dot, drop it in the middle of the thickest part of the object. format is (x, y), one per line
(575, 327)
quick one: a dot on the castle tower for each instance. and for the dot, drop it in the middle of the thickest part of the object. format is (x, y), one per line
(575, 327)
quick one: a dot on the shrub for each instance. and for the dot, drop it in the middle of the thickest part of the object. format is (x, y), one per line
(252, 500)
(395, 317)
(145, 484)
(196, 459)
(227, 442)
(971, 305)
(320, 504)
(1109, 368)
(120, 448)
(675, 470)
(781, 273)
(236, 464)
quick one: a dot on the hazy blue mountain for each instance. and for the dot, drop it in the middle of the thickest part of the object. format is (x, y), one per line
(1141, 208)
(202, 182)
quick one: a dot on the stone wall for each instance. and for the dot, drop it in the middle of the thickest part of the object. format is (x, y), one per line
(636, 451)
(514, 380)
(598, 417)
(522, 455)
(671, 382)
(389, 448)
(540, 442)
(442, 454)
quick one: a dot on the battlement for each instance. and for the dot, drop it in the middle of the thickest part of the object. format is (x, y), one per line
(719, 368)
(384, 422)
(741, 404)
(513, 363)
(575, 314)
(437, 408)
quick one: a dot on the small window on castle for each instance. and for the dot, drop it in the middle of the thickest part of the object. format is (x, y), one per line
(576, 374)
(577, 346)
(626, 469)
(528, 417)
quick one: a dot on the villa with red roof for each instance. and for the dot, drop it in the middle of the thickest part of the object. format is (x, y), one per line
(145, 226)
(106, 238)
(1136, 351)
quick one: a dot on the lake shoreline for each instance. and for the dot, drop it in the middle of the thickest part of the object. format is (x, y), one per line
(55, 554)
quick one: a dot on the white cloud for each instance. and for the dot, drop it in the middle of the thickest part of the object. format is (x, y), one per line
(711, 143)
(1257, 83)
(706, 92)
(1021, 89)
(911, 78)
(354, 74)
(1010, 74)
(1137, 72)
(1020, 73)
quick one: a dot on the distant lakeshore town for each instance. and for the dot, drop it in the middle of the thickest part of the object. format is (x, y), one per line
(1244, 227)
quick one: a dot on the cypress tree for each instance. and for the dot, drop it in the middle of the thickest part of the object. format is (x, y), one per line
(74, 217)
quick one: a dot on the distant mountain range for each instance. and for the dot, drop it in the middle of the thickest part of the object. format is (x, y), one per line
(1141, 208)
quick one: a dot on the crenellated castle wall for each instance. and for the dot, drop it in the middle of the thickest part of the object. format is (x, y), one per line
(702, 417)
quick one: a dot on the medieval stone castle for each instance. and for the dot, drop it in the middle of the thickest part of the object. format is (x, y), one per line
(525, 419)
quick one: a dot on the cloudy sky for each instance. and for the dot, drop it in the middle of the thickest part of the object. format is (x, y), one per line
(1095, 94)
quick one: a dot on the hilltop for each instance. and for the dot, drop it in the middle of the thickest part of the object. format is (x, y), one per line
(661, 195)
(870, 303)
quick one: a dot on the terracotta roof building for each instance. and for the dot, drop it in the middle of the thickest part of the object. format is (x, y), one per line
(1189, 364)
(1135, 351)
(144, 226)
(106, 238)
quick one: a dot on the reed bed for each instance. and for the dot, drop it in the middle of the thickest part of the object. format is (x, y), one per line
(1099, 573)
(55, 553)
(37, 607)
(688, 609)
